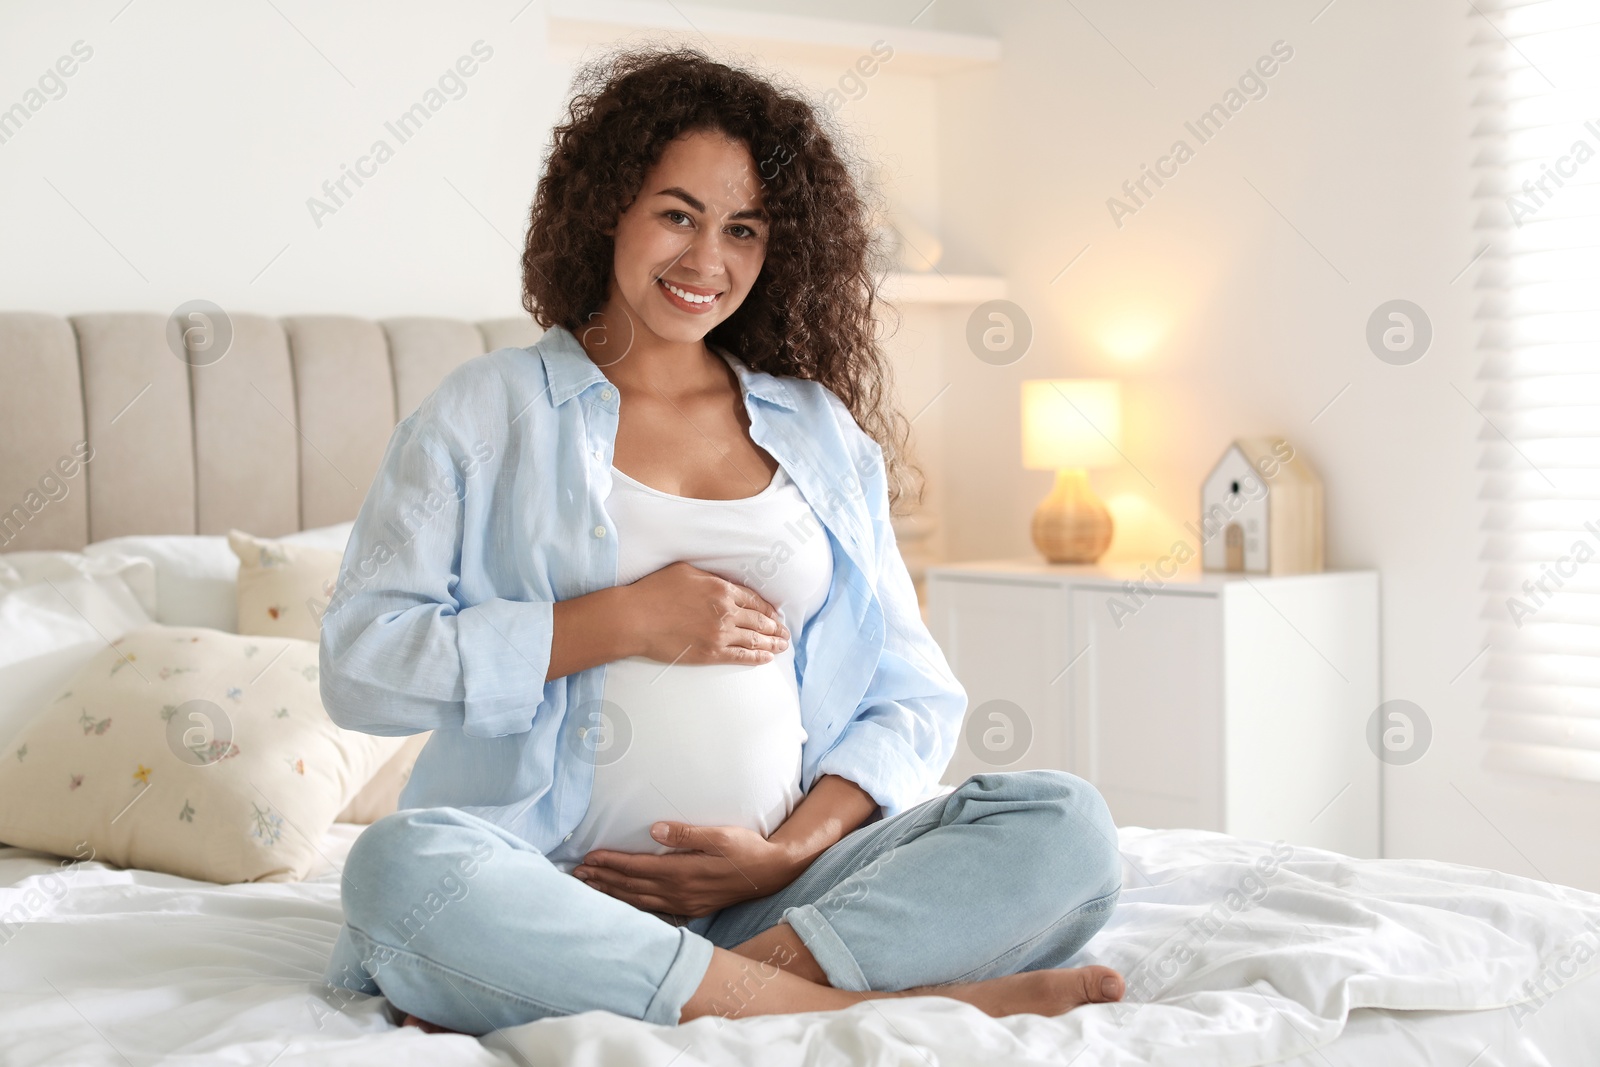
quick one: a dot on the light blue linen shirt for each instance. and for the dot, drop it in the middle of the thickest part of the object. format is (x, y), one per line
(489, 506)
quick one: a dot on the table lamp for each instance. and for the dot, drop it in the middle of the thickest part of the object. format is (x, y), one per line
(1068, 426)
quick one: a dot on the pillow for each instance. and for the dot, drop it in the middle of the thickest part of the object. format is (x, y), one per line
(381, 796)
(57, 610)
(186, 750)
(283, 587)
(334, 537)
(197, 574)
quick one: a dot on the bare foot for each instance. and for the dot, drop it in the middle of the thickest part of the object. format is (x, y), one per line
(737, 987)
(425, 1026)
(1047, 992)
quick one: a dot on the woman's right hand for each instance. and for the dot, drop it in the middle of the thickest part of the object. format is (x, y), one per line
(682, 614)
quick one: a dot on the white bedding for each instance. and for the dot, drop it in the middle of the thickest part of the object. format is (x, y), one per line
(1323, 961)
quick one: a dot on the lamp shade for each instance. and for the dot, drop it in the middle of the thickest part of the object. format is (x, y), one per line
(1071, 422)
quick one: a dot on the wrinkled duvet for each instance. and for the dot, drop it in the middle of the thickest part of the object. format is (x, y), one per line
(1236, 952)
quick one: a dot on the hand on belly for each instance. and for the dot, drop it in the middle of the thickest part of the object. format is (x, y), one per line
(715, 867)
(712, 753)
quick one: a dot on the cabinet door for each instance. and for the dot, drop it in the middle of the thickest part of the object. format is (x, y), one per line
(1146, 706)
(1004, 641)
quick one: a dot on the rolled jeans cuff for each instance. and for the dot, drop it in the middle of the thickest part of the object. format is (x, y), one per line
(822, 940)
(683, 977)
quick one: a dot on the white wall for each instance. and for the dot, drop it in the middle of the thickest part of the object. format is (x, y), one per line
(180, 160)
(193, 138)
(178, 165)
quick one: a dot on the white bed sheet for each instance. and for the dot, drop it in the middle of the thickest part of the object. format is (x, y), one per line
(1565, 1032)
(1326, 960)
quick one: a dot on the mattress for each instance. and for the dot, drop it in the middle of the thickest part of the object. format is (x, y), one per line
(1237, 952)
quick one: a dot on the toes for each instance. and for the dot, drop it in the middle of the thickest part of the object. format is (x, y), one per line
(1102, 984)
(425, 1026)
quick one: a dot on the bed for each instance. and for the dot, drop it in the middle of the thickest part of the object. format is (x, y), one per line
(1237, 952)
(1337, 961)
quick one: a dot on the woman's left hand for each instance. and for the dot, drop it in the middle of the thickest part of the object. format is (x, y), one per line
(725, 865)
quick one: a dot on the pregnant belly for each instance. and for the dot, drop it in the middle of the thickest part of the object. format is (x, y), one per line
(706, 744)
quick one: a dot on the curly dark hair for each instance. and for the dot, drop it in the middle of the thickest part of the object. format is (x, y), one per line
(810, 313)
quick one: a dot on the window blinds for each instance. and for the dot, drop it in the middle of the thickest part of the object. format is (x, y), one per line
(1536, 137)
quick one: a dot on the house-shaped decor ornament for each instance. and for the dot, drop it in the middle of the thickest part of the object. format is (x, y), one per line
(1261, 510)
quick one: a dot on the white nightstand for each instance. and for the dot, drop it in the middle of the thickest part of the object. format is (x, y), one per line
(1221, 702)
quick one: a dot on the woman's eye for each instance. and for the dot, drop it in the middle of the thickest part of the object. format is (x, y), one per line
(676, 215)
(747, 231)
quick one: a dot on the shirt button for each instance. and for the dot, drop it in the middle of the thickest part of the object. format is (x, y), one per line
(599, 531)
(567, 838)
(605, 394)
(599, 454)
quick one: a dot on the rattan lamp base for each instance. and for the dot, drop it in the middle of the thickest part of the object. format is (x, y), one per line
(1072, 525)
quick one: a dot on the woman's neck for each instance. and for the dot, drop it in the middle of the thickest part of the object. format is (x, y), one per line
(634, 358)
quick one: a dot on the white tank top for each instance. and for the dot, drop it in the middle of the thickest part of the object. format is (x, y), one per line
(713, 744)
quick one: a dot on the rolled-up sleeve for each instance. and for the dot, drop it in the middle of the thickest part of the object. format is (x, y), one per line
(904, 729)
(400, 653)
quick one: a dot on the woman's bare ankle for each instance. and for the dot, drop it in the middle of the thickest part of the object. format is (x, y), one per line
(1053, 991)
(736, 987)
(780, 946)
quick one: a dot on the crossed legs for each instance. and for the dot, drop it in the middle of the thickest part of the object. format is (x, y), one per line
(980, 895)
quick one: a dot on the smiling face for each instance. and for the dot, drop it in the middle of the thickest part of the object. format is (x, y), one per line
(691, 245)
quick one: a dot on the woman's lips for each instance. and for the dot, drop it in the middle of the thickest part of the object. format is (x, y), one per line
(692, 307)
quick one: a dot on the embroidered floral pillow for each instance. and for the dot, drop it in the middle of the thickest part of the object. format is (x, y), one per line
(283, 590)
(283, 587)
(190, 751)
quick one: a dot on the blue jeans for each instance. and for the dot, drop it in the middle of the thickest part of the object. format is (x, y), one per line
(459, 922)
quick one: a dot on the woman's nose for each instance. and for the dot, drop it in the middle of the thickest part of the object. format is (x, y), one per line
(704, 255)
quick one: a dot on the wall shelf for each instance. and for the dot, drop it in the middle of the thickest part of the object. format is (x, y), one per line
(783, 38)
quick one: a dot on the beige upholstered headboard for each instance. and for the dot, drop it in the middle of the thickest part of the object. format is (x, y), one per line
(283, 433)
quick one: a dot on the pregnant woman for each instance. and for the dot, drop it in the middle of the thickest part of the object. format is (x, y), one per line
(640, 582)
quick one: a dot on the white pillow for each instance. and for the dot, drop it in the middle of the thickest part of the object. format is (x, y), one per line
(194, 576)
(197, 575)
(57, 611)
(334, 537)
